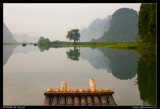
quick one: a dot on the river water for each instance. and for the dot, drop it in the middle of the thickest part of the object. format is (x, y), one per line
(28, 71)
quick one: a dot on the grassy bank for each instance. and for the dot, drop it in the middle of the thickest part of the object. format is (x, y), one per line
(116, 45)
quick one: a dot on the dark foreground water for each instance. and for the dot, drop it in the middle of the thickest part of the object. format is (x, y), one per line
(28, 71)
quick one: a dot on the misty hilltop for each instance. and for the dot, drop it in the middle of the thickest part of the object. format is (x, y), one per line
(7, 35)
(25, 38)
(96, 29)
(123, 26)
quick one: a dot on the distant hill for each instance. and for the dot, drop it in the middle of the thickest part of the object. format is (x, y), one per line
(25, 38)
(7, 35)
(123, 26)
(96, 29)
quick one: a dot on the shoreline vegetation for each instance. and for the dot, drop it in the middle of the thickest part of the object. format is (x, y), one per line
(114, 45)
(144, 41)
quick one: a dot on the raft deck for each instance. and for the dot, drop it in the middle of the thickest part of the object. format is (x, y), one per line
(81, 97)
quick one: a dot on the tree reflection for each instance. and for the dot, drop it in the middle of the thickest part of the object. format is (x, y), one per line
(43, 47)
(73, 54)
(146, 80)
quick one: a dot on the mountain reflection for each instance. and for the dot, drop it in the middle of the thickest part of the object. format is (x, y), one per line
(96, 58)
(121, 63)
(73, 54)
(7, 52)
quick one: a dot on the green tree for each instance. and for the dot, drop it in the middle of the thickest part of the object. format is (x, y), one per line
(47, 40)
(123, 26)
(43, 41)
(73, 35)
(147, 23)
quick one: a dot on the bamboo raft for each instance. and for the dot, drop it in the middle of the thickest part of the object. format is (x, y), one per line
(81, 97)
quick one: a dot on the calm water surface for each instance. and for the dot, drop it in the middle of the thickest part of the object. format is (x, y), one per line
(28, 71)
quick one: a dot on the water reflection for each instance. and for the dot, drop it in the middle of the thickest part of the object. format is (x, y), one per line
(146, 80)
(73, 54)
(43, 47)
(121, 63)
(26, 49)
(96, 58)
(7, 52)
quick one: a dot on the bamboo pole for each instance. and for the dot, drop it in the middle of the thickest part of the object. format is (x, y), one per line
(76, 101)
(93, 89)
(69, 101)
(91, 85)
(80, 93)
(96, 100)
(83, 99)
(69, 90)
(63, 88)
(76, 98)
(54, 101)
(110, 99)
(62, 100)
(96, 97)
(55, 98)
(57, 90)
(47, 100)
(89, 99)
(81, 90)
(103, 99)
(100, 90)
(75, 90)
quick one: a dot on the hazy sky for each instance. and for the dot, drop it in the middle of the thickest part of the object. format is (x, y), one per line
(53, 20)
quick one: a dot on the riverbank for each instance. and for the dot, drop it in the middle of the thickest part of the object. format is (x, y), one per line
(116, 45)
